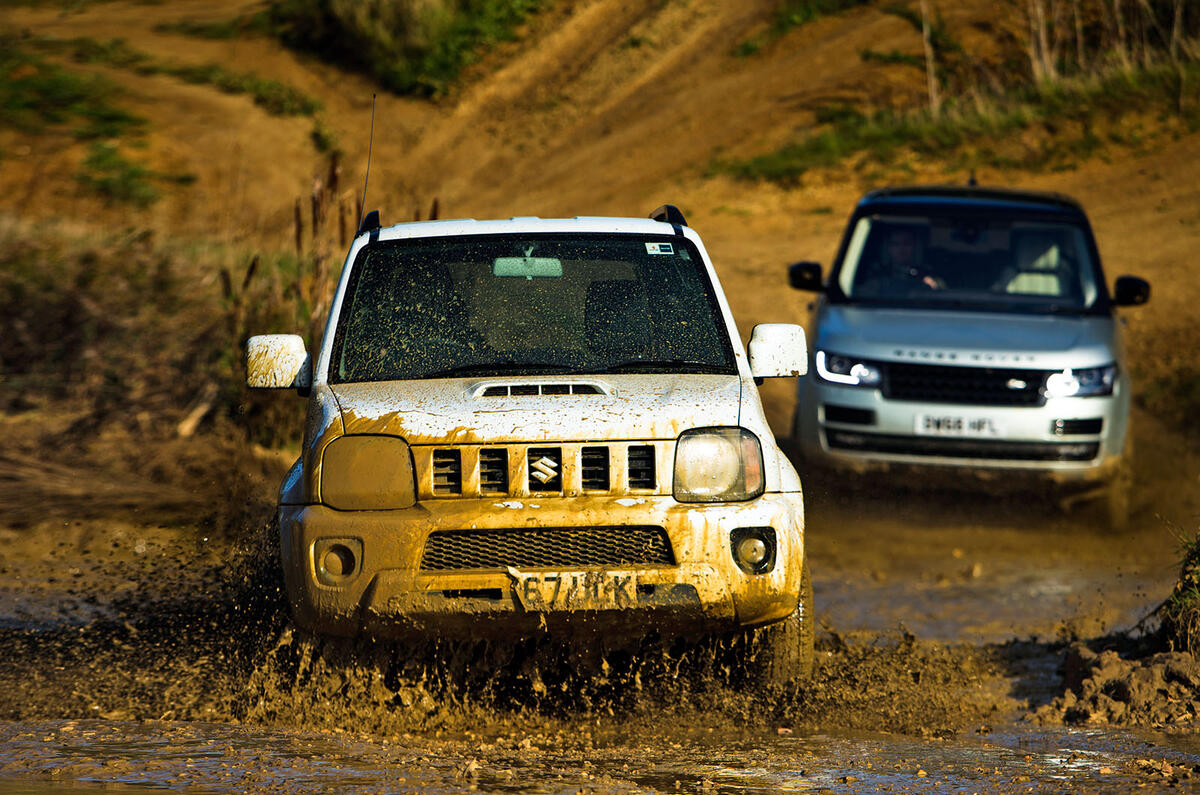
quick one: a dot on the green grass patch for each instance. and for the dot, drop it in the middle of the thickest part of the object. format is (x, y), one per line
(410, 48)
(892, 57)
(1180, 613)
(273, 96)
(37, 96)
(1066, 117)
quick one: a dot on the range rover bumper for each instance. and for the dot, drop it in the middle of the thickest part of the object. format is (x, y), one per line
(386, 581)
(1069, 441)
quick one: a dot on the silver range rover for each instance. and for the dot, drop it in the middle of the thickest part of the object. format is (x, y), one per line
(973, 329)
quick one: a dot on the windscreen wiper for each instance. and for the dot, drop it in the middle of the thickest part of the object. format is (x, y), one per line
(670, 365)
(500, 368)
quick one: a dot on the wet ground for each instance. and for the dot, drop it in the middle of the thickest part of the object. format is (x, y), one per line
(141, 658)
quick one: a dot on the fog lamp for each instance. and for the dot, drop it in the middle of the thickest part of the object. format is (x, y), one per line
(337, 561)
(753, 549)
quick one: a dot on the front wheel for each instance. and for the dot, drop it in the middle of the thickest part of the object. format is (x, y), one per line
(782, 653)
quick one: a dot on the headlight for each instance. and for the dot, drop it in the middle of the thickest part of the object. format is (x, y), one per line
(1081, 383)
(846, 370)
(718, 465)
(367, 473)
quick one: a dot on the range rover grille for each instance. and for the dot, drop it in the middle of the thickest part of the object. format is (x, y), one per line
(973, 386)
(543, 547)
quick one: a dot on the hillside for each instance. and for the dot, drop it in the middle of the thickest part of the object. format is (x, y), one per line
(597, 107)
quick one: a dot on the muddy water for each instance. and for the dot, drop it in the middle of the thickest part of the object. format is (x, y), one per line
(135, 659)
(202, 757)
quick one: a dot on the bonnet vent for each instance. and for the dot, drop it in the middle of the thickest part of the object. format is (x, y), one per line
(523, 390)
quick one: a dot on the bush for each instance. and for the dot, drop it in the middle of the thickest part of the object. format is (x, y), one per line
(411, 47)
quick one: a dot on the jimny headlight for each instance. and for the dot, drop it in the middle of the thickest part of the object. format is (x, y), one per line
(1087, 382)
(847, 370)
(367, 473)
(718, 465)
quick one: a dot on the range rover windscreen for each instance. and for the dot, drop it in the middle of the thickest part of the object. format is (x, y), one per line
(988, 262)
(527, 305)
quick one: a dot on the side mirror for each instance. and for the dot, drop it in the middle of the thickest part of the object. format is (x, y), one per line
(805, 276)
(1131, 291)
(778, 350)
(277, 361)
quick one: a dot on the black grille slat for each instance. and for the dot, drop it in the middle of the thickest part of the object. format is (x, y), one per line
(567, 547)
(1077, 427)
(973, 386)
(594, 468)
(493, 471)
(961, 448)
(641, 466)
(447, 472)
(545, 469)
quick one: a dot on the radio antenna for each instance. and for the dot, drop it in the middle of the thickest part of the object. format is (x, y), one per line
(362, 206)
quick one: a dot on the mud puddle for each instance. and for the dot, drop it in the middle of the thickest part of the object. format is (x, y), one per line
(199, 757)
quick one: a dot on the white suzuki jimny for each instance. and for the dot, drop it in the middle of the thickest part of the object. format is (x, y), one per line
(540, 425)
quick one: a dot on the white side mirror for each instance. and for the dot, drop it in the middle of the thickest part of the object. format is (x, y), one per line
(277, 361)
(778, 350)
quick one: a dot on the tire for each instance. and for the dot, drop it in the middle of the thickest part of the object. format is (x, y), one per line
(782, 653)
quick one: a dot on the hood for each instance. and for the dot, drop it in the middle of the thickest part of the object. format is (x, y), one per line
(501, 410)
(1050, 342)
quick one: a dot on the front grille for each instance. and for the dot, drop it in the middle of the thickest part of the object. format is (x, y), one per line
(961, 448)
(447, 472)
(493, 471)
(594, 461)
(641, 466)
(973, 386)
(557, 548)
(545, 469)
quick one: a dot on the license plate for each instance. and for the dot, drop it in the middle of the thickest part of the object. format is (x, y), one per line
(956, 425)
(586, 591)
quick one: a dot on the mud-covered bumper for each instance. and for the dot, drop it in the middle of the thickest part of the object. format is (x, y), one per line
(385, 591)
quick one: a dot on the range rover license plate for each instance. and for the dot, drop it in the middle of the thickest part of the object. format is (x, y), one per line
(956, 425)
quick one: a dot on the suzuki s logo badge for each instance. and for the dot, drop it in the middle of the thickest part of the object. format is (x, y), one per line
(544, 469)
(1016, 383)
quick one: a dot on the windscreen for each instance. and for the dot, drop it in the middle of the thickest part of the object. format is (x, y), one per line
(529, 304)
(986, 262)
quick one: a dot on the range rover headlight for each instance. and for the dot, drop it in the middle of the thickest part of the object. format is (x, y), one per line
(718, 465)
(1087, 382)
(847, 370)
(367, 473)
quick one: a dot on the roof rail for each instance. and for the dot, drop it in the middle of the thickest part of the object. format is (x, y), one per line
(669, 214)
(370, 223)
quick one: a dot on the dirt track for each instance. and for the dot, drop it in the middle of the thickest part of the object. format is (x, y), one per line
(143, 655)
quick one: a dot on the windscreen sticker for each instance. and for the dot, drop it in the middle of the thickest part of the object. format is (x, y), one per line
(660, 248)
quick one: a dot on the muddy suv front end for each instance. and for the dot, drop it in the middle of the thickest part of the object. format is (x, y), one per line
(532, 426)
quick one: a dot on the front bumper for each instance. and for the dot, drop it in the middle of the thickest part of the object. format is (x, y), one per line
(389, 594)
(858, 429)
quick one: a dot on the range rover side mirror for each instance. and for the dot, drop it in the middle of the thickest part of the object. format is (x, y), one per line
(278, 361)
(1131, 291)
(778, 350)
(805, 276)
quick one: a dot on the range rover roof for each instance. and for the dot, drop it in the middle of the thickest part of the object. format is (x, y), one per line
(973, 196)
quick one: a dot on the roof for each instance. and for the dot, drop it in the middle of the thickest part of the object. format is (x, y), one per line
(520, 225)
(973, 197)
